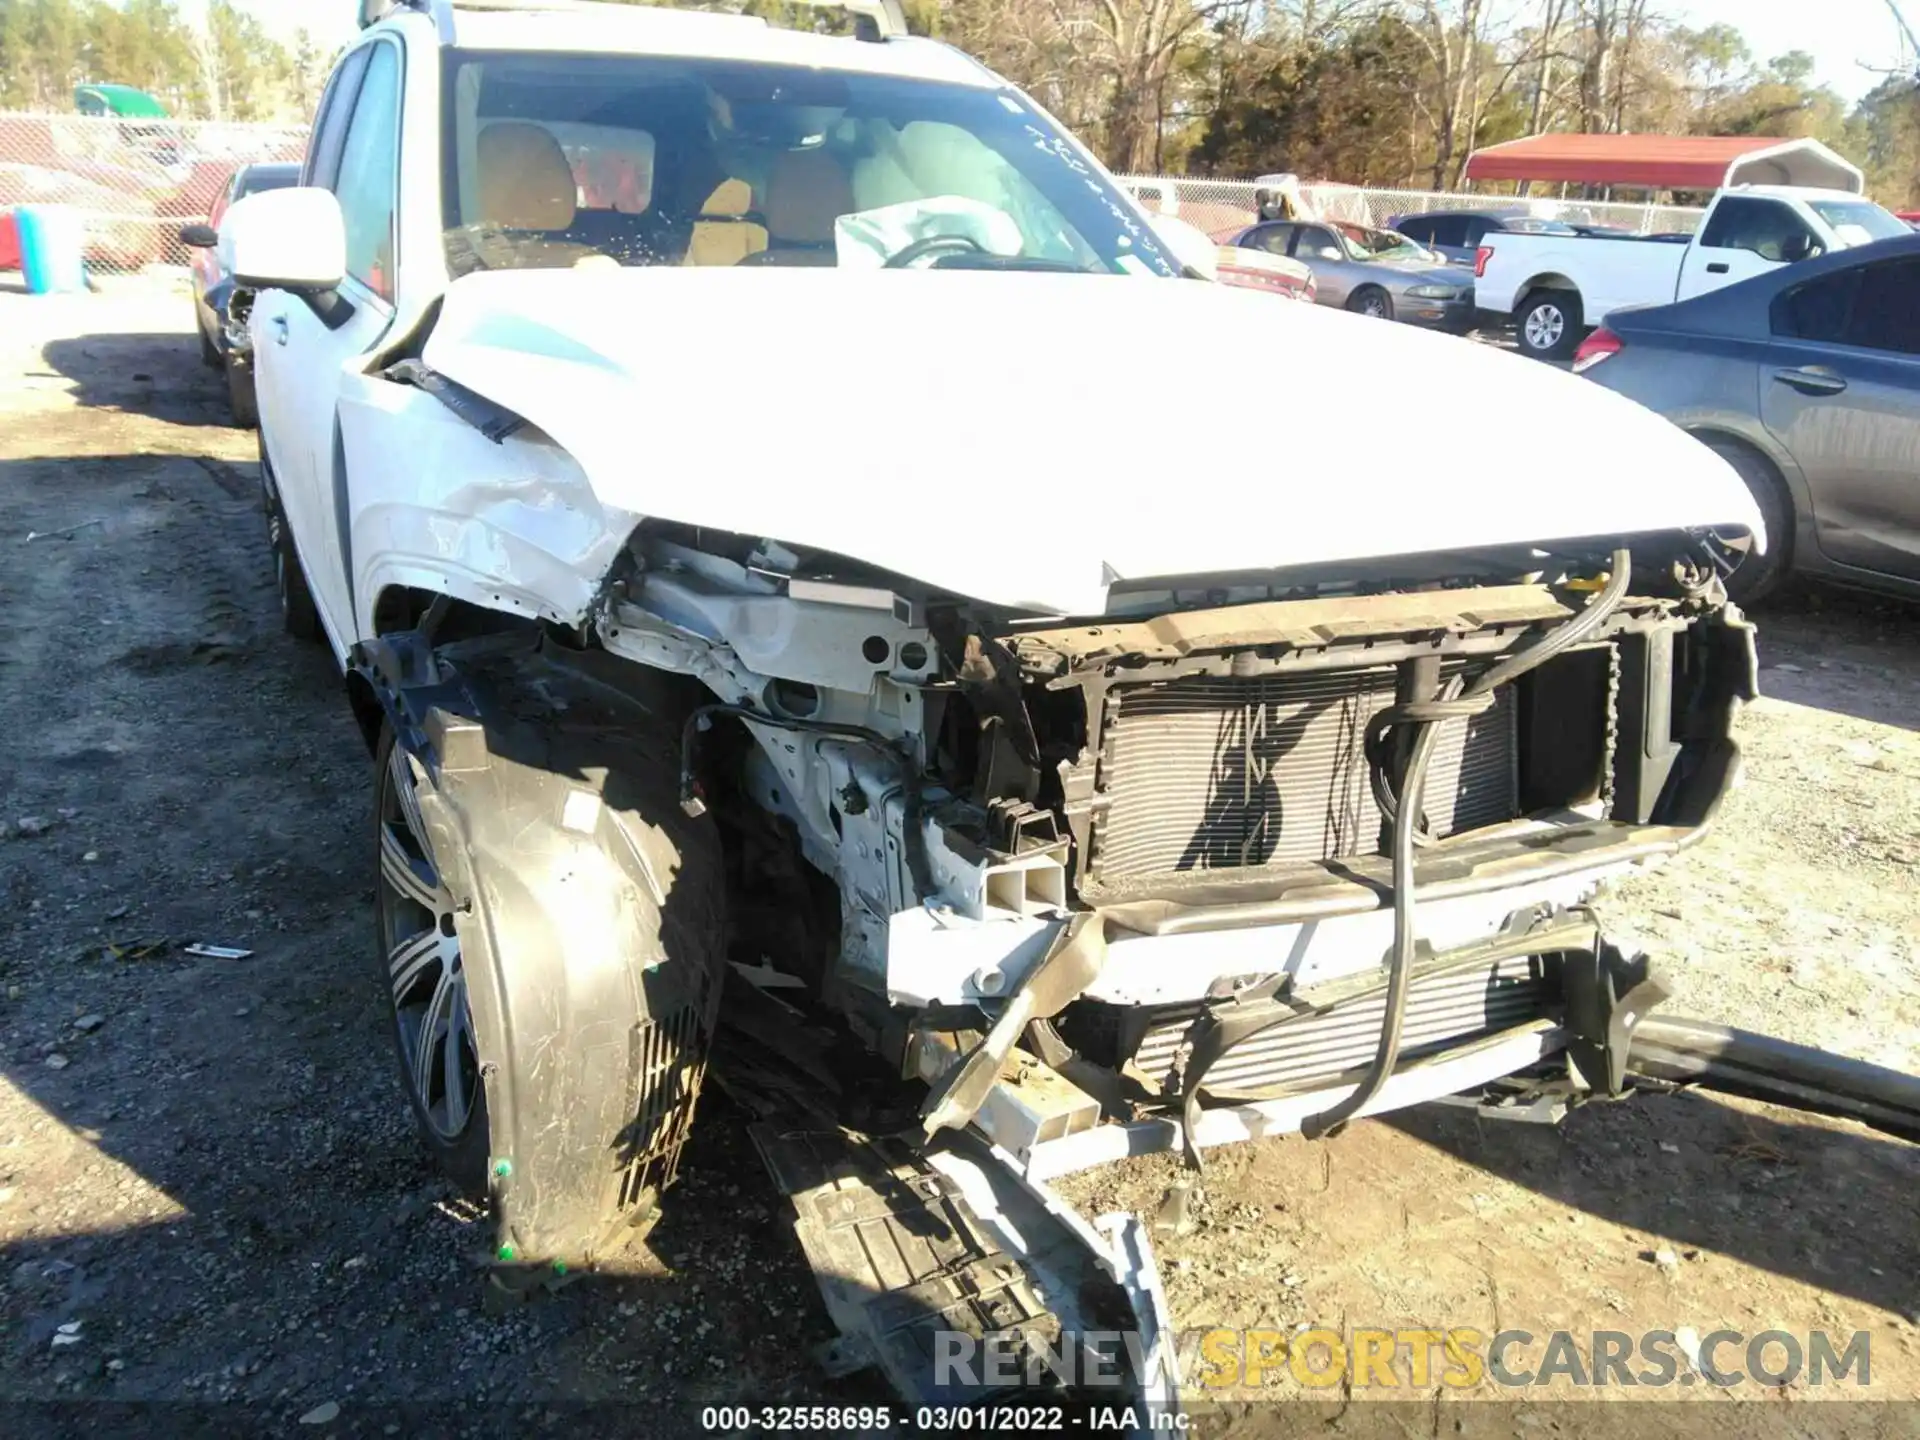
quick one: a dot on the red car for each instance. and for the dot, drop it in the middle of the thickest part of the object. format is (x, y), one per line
(1258, 270)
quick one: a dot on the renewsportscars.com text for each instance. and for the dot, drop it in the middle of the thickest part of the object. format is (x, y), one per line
(1457, 1358)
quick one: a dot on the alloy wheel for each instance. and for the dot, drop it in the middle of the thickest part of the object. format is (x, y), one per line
(1545, 325)
(424, 971)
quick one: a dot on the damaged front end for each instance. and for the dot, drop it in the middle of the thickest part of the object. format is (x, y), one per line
(1228, 778)
(1146, 881)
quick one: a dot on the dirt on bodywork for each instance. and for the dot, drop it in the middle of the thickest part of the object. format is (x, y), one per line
(210, 1190)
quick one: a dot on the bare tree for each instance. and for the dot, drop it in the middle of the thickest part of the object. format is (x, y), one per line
(1134, 43)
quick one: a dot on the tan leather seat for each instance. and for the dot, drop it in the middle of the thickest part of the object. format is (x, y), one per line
(807, 191)
(526, 197)
(726, 233)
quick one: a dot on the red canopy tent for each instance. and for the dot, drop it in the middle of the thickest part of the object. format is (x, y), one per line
(1665, 162)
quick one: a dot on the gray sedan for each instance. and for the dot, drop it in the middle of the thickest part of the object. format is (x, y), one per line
(1807, 379)
(1373, 272)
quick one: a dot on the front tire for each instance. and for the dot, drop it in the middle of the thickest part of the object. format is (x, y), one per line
(1550, 324)
(1371, 301)
(425, 980)
(299, 617)
(242, 401)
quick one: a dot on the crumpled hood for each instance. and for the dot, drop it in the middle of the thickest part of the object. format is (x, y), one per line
(1027, 438)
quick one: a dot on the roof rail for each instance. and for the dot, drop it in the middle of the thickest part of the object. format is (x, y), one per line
(888, 17)
(372, 12)
(875, 20)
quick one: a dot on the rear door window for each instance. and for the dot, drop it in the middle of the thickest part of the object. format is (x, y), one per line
(1870, 307)
(1274, 239)
(1451, 230)
(1865, 306)
(1819, 310)
(1419, 227)
(1886, 310)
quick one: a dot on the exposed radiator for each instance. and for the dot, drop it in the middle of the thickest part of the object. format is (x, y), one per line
(1314, 1049)
(1218, 774)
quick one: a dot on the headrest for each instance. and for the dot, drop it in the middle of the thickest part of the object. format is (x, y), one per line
(525, 181)
(730, 198)
(806, 192)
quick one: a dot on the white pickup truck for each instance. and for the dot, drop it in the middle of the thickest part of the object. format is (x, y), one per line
(1556, 287)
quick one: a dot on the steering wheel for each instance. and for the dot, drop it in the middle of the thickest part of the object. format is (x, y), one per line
(932, 245)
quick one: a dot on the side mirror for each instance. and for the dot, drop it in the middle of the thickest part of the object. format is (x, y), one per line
(199, 237)
(293, 240)
(1796, 248)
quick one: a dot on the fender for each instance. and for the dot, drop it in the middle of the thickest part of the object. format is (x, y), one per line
(585, 904)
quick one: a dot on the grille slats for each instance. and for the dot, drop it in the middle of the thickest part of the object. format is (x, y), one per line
(1313, 1050)
(1219, 774)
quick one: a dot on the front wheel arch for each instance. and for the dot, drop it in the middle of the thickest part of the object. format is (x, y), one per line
(1365, 299)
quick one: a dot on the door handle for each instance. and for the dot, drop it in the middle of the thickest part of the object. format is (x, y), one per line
(280, 330)
(1812, 380)
(1718, 267)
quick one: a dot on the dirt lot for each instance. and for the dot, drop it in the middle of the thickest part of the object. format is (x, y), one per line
(206, 1164)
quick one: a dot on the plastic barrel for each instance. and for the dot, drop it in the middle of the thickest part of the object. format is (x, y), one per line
(52, 249)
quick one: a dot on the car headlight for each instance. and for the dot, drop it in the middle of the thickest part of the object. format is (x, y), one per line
(1433, 292)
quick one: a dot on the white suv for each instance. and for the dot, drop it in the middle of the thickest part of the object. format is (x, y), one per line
(761, 490)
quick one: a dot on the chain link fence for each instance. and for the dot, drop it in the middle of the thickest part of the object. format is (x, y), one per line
(134, 181)
(1223, 207)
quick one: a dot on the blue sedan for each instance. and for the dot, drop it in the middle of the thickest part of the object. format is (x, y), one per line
(1807, 379)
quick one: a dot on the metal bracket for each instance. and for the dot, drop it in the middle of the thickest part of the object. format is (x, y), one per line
(1607, 994)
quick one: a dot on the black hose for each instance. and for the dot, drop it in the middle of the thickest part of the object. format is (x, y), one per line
(1450, 704)
(1512, 668)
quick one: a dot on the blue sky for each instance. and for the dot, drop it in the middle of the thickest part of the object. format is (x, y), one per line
(1843, 36)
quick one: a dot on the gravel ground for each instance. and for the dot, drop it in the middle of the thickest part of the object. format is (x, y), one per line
(206, 1168)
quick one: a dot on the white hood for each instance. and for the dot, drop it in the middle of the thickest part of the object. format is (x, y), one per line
(1027, 438)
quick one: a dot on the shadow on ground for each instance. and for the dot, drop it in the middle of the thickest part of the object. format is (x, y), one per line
(1830, 1205)
(1845, 651)
(158, 376)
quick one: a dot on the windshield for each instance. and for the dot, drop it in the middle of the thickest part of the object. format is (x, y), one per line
(1859, 222)
(556, 160)
(1365, 244)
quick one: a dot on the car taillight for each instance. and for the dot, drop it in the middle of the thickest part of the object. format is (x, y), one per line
(1480, 259)
(1602, 344)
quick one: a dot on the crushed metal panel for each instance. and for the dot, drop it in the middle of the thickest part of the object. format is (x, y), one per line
(899, 1257)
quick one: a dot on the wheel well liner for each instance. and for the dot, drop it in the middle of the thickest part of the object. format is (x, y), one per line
(591, 918)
